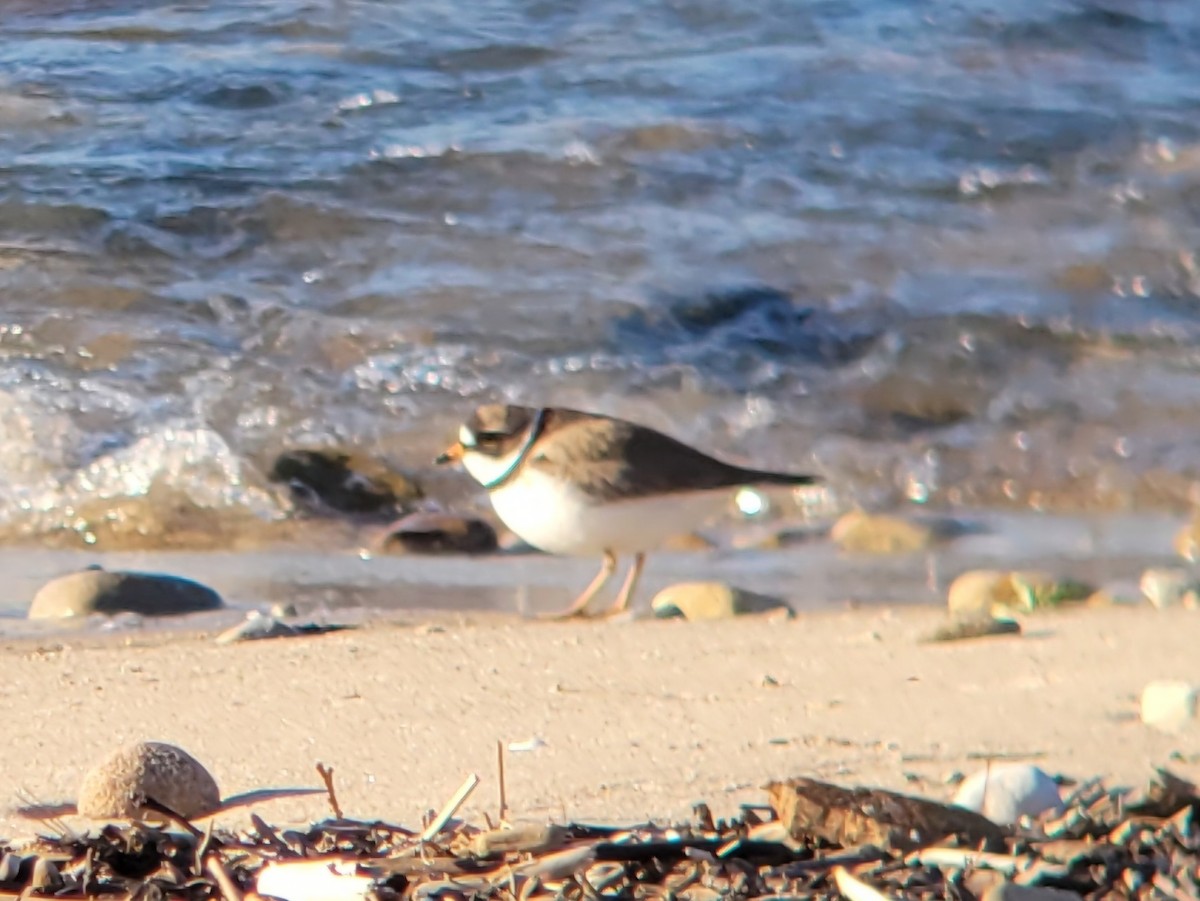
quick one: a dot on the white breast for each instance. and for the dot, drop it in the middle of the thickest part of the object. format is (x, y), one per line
(556, 517)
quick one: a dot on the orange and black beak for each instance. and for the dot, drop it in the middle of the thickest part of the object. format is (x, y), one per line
(452, 454)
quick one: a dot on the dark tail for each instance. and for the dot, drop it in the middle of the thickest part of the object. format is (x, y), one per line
(762, 477)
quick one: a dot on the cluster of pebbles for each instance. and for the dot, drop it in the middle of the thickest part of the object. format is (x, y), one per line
(808, 840)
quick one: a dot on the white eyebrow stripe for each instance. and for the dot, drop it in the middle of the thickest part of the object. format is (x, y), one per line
(466, 437)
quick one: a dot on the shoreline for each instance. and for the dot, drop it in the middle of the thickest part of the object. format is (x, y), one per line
(639, 720)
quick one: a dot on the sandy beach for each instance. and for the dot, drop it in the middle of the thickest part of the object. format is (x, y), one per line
(638, 719)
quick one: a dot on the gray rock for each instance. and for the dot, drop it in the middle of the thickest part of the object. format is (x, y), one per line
(1005, 792)
(99, 591)
(1007, 891)
(119, 785)
(713, 600)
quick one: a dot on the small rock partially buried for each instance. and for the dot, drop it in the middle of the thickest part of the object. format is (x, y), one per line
(713, 600)
(1005, 792)
(1168, 705)
(119, 785)
(100, 591)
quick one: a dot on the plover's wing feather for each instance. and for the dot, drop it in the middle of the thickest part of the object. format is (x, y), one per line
(611, 459)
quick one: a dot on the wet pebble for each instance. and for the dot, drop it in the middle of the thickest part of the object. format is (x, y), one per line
(118, 786)
(1005, 792)
(1168, 705)
(879, 533)
(981, 592)
(1170, 586)
(342, 482)
(713, 600)
(441, 533)
(974, 594)
(100, 591)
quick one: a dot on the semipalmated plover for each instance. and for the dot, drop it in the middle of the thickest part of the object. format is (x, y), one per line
(578, 484)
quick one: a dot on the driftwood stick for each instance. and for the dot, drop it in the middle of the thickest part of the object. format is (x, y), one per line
(855, 889)
(326, 774)
(961, 859)
(450, 809)
(229, 888)
(503, 787)
(271, 837)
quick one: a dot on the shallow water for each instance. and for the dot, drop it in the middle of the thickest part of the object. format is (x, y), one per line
(942, 254)
(348, 586)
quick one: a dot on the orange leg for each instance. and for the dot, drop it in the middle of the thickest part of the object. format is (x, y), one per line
(580, 603)
(631, 580)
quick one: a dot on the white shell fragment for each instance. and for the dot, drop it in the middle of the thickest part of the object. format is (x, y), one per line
(1005, 792)
(332, 879)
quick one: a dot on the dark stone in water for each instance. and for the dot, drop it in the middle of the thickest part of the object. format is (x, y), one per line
(442, 533)
(742, 323)
(242, 96)
(333, 481)
(95, 590)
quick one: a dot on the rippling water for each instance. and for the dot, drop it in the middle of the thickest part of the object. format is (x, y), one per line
(945, 253)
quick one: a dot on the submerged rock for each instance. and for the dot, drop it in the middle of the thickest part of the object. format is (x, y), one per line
(1005, 792)
(878, 533)
(441, 533)
(99, 591)
(713, 600)
(329, 480)
(120, 784)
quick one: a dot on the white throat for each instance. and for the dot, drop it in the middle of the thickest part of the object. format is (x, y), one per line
(485, 469)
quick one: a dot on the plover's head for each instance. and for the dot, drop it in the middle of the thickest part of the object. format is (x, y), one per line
(491, 439)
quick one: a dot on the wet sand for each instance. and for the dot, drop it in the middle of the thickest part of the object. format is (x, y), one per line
(639, 719)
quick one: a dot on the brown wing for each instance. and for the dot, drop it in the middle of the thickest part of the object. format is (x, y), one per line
(617, 460)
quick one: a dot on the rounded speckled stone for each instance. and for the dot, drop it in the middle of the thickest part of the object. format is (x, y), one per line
(100, 591)
(118, 786)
